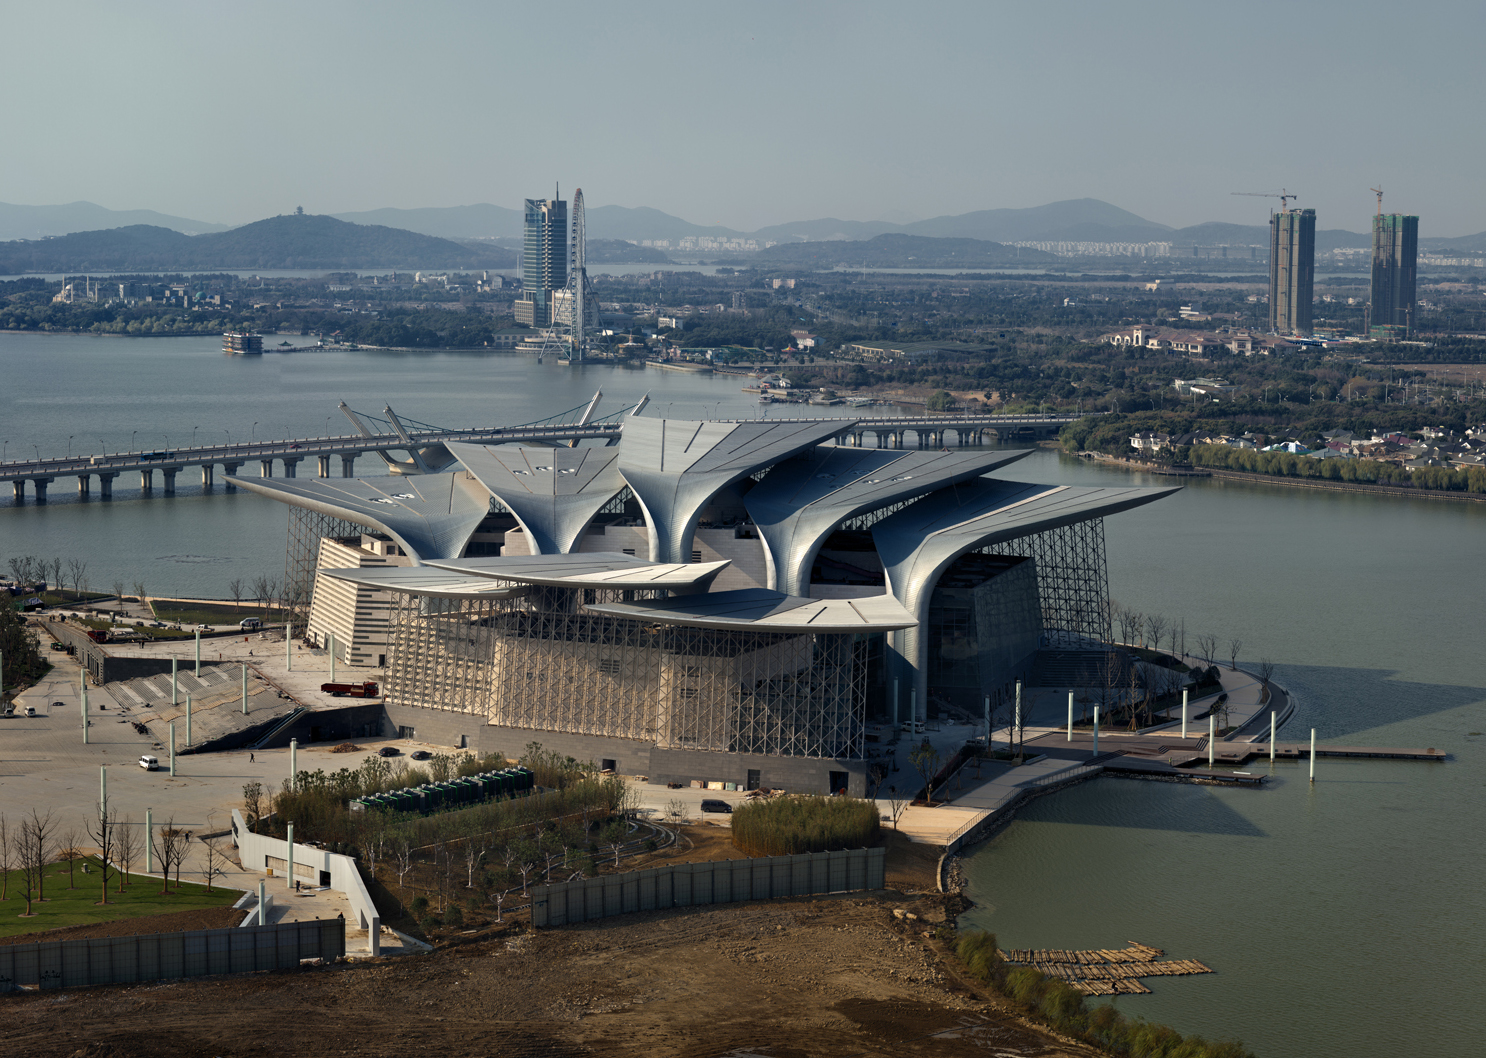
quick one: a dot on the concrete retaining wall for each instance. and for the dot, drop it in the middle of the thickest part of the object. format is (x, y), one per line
(714, 882)
(255, 851)
(158, 956)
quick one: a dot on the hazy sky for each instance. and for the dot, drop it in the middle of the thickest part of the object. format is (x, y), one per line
(748, 113)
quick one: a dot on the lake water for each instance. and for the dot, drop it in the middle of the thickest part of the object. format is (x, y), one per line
(1343, 919)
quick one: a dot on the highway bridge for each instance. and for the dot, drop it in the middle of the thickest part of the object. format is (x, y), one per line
(424, 446)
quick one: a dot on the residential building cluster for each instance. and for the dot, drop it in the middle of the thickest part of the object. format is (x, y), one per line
(1439, 447)
(708, 242)
(1198, 343)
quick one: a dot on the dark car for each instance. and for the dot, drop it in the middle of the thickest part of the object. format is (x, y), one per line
(389, 751)
(420, 754)
(712, 804)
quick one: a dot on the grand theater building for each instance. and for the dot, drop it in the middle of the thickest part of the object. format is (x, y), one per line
(726, 601)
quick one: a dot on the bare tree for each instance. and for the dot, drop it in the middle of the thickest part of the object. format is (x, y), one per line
(104, 832)
(370, 833)
(20, 840)
(55, 573)
(615, 835)
(253, 802)
(235, 589)
(77, 572)
(474, 855)
(128, 843)
(215, 858)
(526, 862)
(925, 760)
(68, 847)
(1207, 647)
(676, 811)
(1137, 627)
(402, 855)
(1156, 624)
(170, 846)
(1234, 646)
(262, 586)
(7, 858)
(896, 805)
(41, 832)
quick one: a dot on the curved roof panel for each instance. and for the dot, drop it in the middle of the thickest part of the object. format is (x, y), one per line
(590, 570)
(553, 492)
(802, 500)
(426, 580)
(676, 466)
(429, 515)
(762, 610)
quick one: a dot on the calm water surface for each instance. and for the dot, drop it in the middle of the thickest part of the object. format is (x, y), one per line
(1344, 919)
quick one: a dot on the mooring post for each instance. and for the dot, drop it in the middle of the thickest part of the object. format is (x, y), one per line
(1095, 753)
(1313, 754)
(1271, 734)
(895, 683)
(172, 749)
(293, 763)
(989, 745)
(149, 841)
(1070, 716)
(188, 718)
(174, 698)
(262, 895)
(1019, 716)
(245, 689)
(289, 881)
(86, 722)
(289, 646)
(102, 792)
(1212, 737)
(198, 653)
(1184, 712)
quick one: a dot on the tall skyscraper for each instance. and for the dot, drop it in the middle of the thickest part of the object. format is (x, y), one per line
(544, 260)
(1395, 260)
(1292, 270)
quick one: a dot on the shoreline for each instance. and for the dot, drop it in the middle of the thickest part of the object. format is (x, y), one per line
(1100, 459)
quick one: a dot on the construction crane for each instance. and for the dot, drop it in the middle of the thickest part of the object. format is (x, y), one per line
(1379, 192)
(1283, 195)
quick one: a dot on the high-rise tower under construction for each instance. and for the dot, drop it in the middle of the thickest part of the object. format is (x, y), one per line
(1292, 269)
(1395, 256)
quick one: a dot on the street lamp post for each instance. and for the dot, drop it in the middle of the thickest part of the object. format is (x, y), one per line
(193, 435)
(253, 435)
(132, 435)
(69, 445)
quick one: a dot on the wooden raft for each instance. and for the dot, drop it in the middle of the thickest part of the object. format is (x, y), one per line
(1104, 972)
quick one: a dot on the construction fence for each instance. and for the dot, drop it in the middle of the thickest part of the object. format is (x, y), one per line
(161, 956)
(714, 882)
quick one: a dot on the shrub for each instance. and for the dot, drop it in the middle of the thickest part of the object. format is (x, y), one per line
(786, 825)
(980, 954)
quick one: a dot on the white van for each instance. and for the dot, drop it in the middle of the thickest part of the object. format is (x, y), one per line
(149, 763)
(250, 624)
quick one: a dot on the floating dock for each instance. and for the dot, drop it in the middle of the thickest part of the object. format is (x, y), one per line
(1105, 972)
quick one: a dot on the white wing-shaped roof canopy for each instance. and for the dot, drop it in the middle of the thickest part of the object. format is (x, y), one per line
(762, 610)
(918, 543)
(591, 569)
(553, 492)
(803, 500)
(676, 466)
(430, 515)
(427, 580)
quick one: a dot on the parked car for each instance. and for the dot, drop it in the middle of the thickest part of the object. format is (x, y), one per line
(388, 751)
(149, 763)
(30, 710)
(420, 754)
(712, 804)
(204, 628)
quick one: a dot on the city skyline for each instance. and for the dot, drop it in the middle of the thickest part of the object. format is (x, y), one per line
(749, 116)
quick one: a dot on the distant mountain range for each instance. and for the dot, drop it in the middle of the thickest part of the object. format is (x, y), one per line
(279, 242)
(1074, 220)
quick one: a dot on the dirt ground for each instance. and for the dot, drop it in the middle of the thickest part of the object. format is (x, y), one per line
(837, 976)
(199, 918)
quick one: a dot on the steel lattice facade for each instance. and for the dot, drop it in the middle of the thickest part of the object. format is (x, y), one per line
(1072, 581)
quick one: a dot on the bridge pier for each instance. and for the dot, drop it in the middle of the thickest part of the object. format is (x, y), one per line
(206, 475)
(290, 462)
(266, 466)
(229, 469)
(324, 466)
(348, 465)
(146, 480)
(106, 485)
(83, 480)
(19, 484)
(169, 476)
(40, 485)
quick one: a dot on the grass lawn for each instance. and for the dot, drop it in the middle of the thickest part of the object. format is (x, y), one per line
(77, 907)
(195, 613)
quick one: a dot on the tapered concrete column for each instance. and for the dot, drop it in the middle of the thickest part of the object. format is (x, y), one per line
(106, 485)
(324, 466)
(146, 480)
(229, 469)
(41, 484)
(83, 481)
(206, 475)
(290, 462)
(169, 475)
(266, 466)
(19, 485)
(348, 465)
(289, 881)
